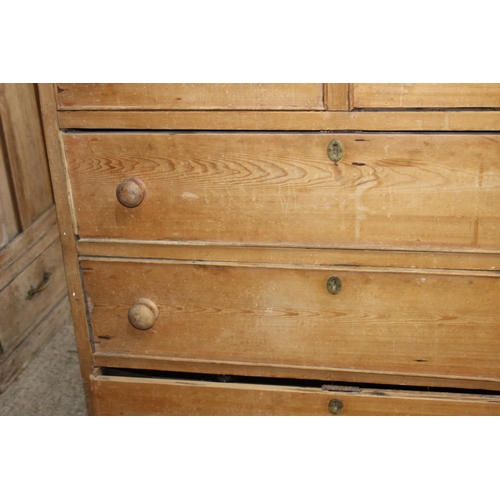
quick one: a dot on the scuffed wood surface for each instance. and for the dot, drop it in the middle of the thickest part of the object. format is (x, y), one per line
(136, 396)
(267, 96)
(407, 191)
(382, 321)
(426, 95)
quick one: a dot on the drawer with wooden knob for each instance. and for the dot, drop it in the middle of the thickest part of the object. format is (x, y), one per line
(405, 191)
(126, 395)
(442, 325)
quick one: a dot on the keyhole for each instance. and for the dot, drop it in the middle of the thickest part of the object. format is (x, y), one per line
(335, 150)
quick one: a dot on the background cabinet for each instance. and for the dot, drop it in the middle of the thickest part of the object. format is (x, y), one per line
(33, 296)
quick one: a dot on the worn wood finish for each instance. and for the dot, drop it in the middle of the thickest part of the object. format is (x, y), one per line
(283, 255)
(9, 224)
(336, 96)
(393, 190)
(17, 311)
(24, 249)
(426, 95)
(265, 96)
(135, 396)
(281, 120)
(13, 362)
(58, 170)
(24, 144)
(444, 325)
(351, 376)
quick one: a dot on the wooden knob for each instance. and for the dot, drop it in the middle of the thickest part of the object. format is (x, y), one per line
(143, 314)
(130, 192)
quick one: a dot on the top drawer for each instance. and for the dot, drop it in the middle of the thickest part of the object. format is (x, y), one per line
(425, 95)
(178, 96)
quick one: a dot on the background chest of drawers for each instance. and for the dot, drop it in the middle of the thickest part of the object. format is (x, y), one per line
(265, 249)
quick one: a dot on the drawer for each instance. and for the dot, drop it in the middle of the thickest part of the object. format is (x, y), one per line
(388, 190)
(439, 325)
(114, 395)
(21, 310)
(179, 96)
(425, 95)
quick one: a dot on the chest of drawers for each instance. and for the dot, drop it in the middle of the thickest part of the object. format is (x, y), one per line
(308, 249)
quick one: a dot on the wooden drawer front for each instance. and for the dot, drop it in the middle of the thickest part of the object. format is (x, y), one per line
(137, 396)
(18, 313)
(390, 190)
(440, 325)
(425, 95)
(180, 96)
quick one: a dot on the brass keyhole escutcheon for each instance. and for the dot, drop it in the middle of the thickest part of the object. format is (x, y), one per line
(335, 406)
(335, 150)
(334, 285)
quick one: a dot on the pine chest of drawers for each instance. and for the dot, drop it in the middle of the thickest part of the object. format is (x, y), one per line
(281, 249)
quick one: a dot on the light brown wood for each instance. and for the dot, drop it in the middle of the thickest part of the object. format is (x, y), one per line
(352, 376)
(17, 310)
(9, 225)
(277, 120)
(18, 358)
(426, 95)
(27, 246)
(24, 143)
(135, 396)
(58, 171)
(190, 96)
(406, 191)
(336, 96)
(443, 325)
(309, 256)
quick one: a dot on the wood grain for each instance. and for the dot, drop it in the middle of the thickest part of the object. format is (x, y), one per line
(21, 354)
(310, 256)
(135, 396)
(17, 312)
(58, 170)
(25, 148)
(190, 96)
(426, 95)
(406, 191)
(283, 120)
(336, 96)
(444, 324)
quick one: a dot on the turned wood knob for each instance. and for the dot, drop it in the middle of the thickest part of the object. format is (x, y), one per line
(143, 313)
(130, 192)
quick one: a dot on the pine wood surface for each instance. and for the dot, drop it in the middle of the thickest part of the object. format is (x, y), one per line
(25, 147)
(135, 396)
(444, 324)
(445, 121)
(62, 195)
(401, 190)
(18, 312)
(426, 95)
(190, 96)
(211, 251)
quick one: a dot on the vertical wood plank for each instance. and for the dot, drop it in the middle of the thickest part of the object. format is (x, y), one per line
(336, 96)
(60, 185)
(25, 148)
(9, 226)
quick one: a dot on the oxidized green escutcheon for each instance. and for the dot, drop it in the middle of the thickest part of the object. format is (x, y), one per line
(334, 285)
(335, 406)
(335, 150)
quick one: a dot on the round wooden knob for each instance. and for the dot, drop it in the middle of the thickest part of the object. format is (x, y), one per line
(130, 192)
(143, 313)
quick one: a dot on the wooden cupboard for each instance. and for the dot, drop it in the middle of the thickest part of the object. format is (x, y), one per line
(322, 249)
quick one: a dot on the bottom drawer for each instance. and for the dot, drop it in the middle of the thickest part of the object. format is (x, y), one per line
(119, 395)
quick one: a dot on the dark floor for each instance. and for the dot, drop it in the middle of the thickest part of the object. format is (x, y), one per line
(51, 384)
